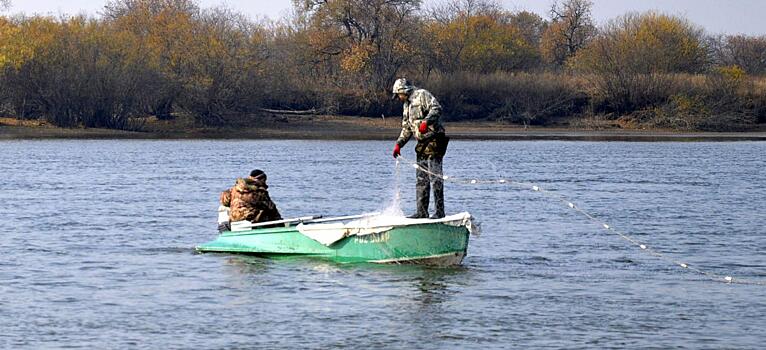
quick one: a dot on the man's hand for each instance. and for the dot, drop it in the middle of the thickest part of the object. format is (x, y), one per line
(423, 127)
(397, 151)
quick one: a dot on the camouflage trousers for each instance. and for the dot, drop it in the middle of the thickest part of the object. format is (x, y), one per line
(425, 182)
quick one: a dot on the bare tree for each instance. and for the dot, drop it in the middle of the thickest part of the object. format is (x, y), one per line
(223, 70)
(746, 52)
(451, 11)
(5, 4)
(369, 35)
(571, 28)
(118, 8)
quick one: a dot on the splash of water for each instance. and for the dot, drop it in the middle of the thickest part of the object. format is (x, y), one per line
(394, 209)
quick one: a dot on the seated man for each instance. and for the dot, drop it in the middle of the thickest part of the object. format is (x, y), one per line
(249, 200)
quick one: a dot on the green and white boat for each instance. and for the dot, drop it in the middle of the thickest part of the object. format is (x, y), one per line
(361, 238)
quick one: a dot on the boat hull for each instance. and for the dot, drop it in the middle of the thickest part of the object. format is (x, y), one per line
(428, 243)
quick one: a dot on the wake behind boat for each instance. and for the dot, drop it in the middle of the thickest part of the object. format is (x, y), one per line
(360, 238)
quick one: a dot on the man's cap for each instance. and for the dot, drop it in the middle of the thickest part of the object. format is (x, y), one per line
(402, 86)
(258, 173)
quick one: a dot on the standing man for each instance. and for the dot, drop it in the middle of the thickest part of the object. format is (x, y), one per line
(421, 118)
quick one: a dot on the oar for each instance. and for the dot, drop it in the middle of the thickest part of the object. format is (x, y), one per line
(339, 218)
(242, 225)
(247, 224)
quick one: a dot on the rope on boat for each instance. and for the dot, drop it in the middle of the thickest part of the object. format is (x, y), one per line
(642, 246)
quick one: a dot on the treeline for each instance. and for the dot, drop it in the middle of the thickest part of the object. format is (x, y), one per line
(141, 58)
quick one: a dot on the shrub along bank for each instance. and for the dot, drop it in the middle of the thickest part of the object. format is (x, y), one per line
(142, 58)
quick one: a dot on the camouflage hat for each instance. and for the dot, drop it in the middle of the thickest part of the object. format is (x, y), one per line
(402, 86)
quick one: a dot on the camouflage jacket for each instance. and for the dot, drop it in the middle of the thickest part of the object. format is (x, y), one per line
(421, 106)
(249, 200)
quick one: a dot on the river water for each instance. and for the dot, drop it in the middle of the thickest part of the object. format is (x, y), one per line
(98, 236)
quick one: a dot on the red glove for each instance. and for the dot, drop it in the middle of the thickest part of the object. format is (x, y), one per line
(423, 127)
(397, 150)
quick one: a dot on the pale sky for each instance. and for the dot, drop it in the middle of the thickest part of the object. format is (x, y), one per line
(716, 16)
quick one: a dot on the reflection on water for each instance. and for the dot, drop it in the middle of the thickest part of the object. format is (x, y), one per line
(429, 286)
(435, 284)
(99, 236)
(246, 264)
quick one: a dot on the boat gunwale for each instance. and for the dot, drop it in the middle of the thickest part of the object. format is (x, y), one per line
(418, 222)
(258, 231)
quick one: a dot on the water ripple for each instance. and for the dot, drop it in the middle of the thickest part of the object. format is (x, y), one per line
(99, 236)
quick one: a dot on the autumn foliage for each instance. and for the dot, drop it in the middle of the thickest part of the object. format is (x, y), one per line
(164, 58)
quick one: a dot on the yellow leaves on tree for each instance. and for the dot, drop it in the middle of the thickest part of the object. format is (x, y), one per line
(552, 44)
(646, 43)
(7, 31)
(480, 36)
(21, 42)
(493, 45)
(631, 59)
(356, 58)
(735, 73)
(166, 35)
(480, 43)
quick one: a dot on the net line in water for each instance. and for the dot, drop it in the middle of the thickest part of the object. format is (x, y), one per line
(571, 205)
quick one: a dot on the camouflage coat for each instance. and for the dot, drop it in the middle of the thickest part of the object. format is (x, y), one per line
(249, 200)
(422, 106)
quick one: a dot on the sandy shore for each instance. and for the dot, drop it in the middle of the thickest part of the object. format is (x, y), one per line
(354, 128)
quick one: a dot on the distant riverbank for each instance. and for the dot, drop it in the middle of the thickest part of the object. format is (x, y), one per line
(356, 128)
